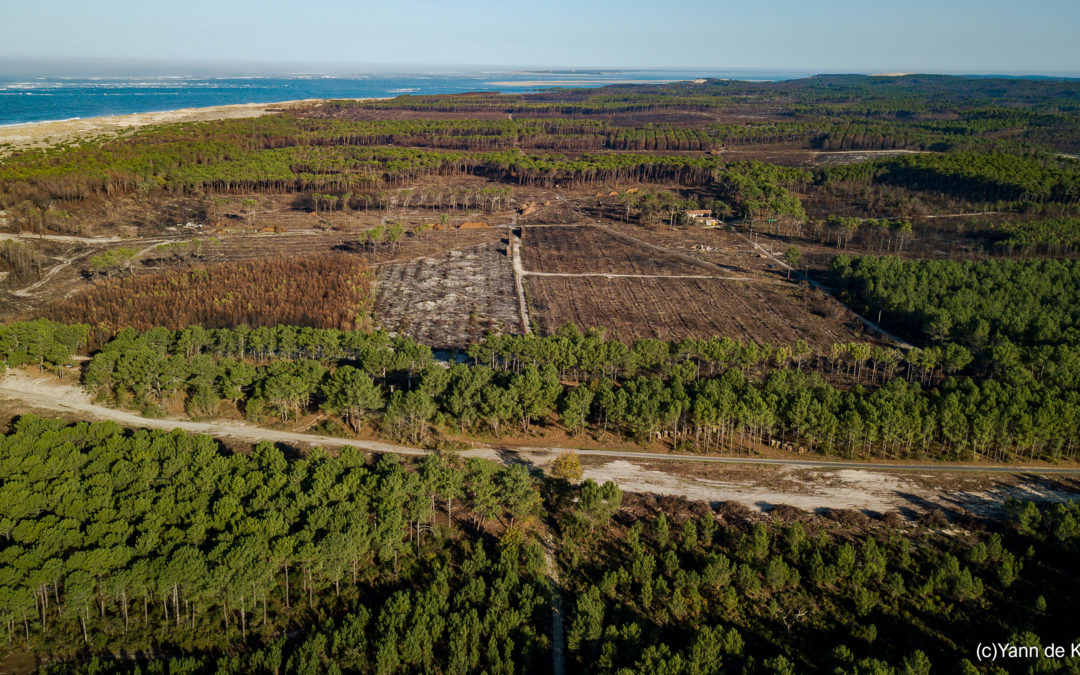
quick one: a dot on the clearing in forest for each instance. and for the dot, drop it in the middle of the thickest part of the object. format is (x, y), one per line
(449, 301)
(592, 250)
(669, 294)
(672, 309)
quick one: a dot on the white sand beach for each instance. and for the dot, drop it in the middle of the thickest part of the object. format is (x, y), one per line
(42, 134)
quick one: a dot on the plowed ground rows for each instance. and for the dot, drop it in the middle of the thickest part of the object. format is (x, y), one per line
(668, 309)
(718, 245)
(587, 249)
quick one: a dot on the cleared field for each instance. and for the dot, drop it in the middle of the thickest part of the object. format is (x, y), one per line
(632, 309)
(300, 243)
(682, 283)
(66, 271)
(716, 247)
(587, 249)
(451, 300)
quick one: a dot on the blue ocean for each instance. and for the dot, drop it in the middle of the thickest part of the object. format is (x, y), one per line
(37, 99)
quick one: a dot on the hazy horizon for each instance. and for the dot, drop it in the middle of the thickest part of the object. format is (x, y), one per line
(828, 36)
(130, 67)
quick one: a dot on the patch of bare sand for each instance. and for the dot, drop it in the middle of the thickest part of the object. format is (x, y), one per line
(844, 489)
(817, 489)
(991, 501)
(449, 301)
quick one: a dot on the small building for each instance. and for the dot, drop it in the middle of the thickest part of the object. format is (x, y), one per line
(702, 217)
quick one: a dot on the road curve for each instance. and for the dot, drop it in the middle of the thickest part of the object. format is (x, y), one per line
(46, 393)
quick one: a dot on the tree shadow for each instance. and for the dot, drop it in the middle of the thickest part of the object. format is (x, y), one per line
(291, 452)
(350, 247)
(508, 456)
(991, 503)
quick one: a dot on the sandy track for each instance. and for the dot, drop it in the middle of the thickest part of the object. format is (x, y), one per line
(835, 157)
(48, 393)
(866, 322)
(612, 275)
(558, 641)
(46, 278)
(63, 238)
(519, 283)
(886, 153)
(806, 484)
(964, 215)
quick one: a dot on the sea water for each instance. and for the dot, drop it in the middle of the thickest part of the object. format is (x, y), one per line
(37, 99)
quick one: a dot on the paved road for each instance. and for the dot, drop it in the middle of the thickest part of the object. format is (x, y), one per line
(47, 393)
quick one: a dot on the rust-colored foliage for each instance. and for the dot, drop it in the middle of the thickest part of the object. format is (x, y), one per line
(328, 291)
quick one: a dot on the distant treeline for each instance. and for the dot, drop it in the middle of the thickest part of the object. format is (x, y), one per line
(996, 137)
(981, 177)
(224, 166)
(915, 96)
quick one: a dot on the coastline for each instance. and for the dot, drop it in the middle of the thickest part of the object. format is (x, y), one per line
(25, 135)
(572, 83)
(23, 124)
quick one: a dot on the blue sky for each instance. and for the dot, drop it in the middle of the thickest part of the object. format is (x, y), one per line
(1013, 36)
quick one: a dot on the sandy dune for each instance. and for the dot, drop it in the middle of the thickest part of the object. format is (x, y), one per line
(42, 134)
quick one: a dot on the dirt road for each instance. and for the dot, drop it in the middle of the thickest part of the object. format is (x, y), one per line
(63, 238)
(519, 284)
(558, 641)
(800, 275)
(964, 215)
(758, 483)
(47, 393)
(617, 275)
